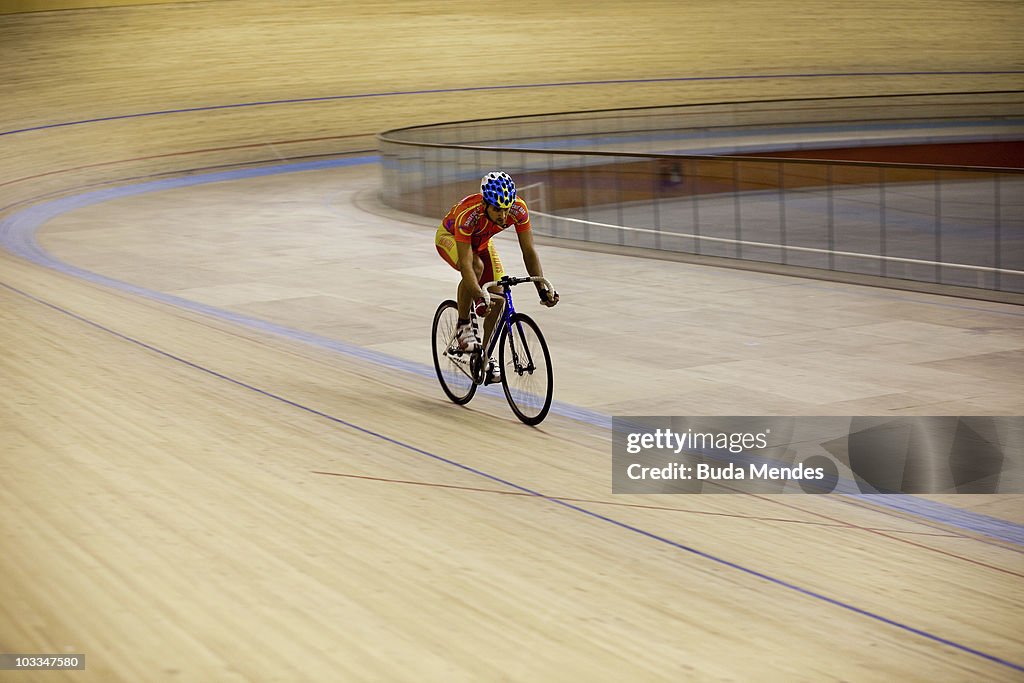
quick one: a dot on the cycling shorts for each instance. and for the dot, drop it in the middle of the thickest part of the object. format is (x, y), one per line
(446, 247)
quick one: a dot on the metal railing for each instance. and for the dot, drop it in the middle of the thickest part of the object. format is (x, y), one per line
(584, 178)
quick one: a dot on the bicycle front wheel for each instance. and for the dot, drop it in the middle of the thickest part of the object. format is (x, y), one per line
(454, 367)
(525, 369)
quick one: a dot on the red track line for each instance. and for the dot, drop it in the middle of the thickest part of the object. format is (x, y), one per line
(886, 533)
(605, 502)
(915, 520)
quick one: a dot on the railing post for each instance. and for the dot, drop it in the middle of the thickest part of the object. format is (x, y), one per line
(782, 211)
(694, 194)
(998, 234)
(656, 210)
(881, 222)
(736, 208)
(552, 205)
(583, 200)
(938, 226)
(831, 219)
(618, 204)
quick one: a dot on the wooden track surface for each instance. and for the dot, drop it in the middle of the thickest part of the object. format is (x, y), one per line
(190, 498)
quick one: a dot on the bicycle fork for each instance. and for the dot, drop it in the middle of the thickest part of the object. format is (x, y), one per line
(511, 330)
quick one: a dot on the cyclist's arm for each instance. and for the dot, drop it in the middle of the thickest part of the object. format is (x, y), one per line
(532, 261)
(530, 257)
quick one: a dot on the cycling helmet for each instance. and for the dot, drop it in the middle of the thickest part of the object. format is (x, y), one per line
(498, 189)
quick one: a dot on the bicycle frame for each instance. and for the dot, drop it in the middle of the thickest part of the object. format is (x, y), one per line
(505, 321)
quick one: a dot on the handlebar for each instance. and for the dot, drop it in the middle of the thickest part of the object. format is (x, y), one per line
(510, 281)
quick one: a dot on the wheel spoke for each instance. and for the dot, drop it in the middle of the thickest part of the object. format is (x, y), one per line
(452, 366)
(526, 370)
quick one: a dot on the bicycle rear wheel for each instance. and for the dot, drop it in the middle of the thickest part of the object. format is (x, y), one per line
(452, 365)
(525, 369)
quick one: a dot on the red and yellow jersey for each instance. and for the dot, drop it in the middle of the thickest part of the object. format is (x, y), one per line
(467, 221)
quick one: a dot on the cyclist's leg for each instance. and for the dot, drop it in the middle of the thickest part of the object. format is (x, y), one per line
(448, 251)
(492, 270)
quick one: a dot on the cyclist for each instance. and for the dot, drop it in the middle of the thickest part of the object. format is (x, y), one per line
(464, 241)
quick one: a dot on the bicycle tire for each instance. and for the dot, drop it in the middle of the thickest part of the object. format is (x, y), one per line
(455, 379)
(526, 373)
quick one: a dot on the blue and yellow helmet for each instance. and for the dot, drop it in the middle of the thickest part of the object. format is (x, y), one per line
(498, 189)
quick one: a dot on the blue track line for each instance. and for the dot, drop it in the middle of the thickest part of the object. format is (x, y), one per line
(575, 508)
(478, 88)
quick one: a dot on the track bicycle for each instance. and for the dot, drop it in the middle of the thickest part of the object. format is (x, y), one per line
(522, 354)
